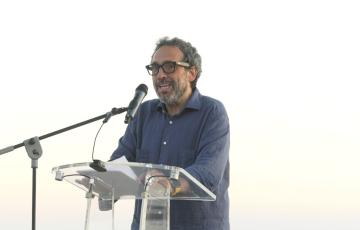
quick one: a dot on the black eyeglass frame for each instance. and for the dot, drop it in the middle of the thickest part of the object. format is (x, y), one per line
(158, 66)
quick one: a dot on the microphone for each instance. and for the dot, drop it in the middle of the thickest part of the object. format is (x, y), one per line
(134, 104)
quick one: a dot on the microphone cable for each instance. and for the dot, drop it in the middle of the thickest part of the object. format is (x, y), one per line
(93, 149)
(98, 165)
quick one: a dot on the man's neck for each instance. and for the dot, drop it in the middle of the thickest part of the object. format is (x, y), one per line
(174, 109)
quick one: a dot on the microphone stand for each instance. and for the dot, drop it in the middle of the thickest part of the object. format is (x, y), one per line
(34, 151)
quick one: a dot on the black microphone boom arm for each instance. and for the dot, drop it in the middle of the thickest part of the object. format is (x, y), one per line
(34, 150)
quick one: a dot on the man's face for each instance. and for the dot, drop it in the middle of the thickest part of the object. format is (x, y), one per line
(171, 88)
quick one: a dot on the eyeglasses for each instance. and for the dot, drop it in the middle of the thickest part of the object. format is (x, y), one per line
(167, 67)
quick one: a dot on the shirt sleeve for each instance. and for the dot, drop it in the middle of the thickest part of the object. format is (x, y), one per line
(127, 143)
(213, 157)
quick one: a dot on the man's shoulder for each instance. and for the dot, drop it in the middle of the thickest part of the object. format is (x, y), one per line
(212, 103)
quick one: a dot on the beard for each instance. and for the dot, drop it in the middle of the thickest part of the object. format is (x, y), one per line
(178, 88)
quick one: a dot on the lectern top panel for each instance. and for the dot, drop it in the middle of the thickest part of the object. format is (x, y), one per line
(128, 180)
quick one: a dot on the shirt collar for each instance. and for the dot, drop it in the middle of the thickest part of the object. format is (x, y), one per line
(193, 103)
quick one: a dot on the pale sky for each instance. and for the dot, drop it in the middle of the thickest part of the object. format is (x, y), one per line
(287, 72)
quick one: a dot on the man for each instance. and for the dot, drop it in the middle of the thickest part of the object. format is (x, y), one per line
(186, 129)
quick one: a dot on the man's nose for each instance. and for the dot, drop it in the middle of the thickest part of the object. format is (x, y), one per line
(161, 74)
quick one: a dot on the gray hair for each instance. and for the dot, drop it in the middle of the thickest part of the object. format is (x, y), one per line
(191, 55)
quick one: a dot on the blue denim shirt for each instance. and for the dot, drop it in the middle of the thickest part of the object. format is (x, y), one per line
(197, 140)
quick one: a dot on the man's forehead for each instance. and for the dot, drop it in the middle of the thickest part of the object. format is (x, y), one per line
(167, 53)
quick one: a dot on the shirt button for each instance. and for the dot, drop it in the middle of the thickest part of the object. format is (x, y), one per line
(170, 122)
(164, 142)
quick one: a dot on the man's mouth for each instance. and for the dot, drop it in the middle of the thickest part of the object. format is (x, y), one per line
(164, 87)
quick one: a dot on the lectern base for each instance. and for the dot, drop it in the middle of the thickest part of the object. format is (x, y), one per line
(155, 214)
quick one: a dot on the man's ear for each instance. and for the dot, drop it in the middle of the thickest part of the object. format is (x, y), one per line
(192, 73)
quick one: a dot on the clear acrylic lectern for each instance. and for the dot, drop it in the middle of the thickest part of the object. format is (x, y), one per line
(128, 180)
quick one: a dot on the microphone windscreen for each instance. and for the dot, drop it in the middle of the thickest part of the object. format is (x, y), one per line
(143, 88)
